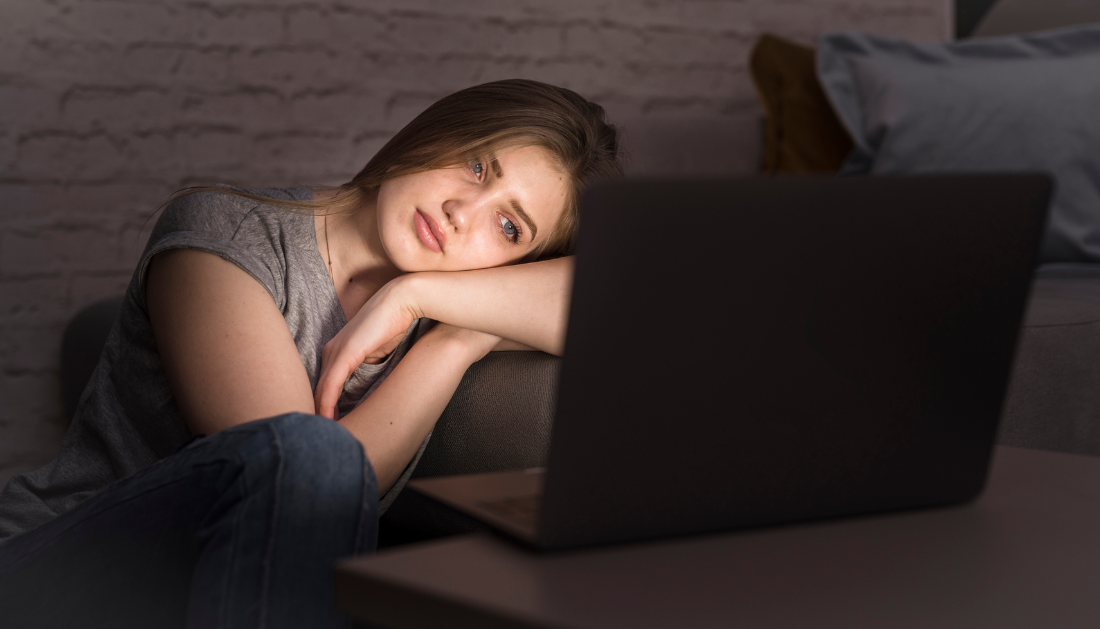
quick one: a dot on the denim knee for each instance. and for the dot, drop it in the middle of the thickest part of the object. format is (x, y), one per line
(305, 497)
(320, 458)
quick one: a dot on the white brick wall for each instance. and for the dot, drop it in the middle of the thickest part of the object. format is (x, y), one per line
(107, 106)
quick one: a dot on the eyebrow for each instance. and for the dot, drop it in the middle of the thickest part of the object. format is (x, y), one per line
(499, 172)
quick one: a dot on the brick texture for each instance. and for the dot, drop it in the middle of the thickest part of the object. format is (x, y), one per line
(107, 106)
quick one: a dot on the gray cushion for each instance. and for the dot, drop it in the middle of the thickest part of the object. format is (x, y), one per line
(1053, 401)
(81, 346)
(1008, 17)
(1014, 103)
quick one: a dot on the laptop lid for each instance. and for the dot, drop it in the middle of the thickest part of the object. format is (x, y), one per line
(754, 351)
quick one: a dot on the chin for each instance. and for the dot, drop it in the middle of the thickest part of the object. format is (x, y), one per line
(406, 261)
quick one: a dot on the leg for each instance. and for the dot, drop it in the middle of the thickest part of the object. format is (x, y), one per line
(238, 529)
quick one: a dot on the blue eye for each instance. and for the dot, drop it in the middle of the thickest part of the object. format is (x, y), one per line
(510, 230)
(477, 167)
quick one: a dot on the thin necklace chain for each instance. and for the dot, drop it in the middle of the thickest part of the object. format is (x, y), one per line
(328, 249)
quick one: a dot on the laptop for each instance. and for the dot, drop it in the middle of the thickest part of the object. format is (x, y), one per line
(748, 352)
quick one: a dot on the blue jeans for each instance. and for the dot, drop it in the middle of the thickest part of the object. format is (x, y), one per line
(239, 529)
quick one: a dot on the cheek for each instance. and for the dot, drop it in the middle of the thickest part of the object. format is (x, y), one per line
(398, 240)
(482, 251)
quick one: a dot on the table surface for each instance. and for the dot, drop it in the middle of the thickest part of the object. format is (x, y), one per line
(1025, 554)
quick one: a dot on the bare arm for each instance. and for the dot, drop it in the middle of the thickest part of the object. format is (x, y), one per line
(526, 303)
(395, 419)
(230, 358)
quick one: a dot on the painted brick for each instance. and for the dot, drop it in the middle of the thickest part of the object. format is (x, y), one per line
(667, 46)
(580, 74)
(32, 206)
(68, 155)
(22, 205)
(27, 104)
(344, 109)
(8, 151)
(362, 148)
(287, 65)
(169, 63)
(31, 348)
(346, 26)
(496, 69)
(404, 106)
(120, 22)
(602, 39)
(34, 299)
(716, 16)
(118, 108)
(314, 151)
(480, 8)
(242, 106)
(253, 24)
(211, 148)
(51, 248)
(19, 22)
(64, 59)
(148, 154)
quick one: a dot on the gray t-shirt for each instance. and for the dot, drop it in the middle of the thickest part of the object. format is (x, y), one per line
(127, 418)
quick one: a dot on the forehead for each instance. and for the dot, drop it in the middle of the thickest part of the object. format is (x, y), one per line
(532, 177)
(529, 160)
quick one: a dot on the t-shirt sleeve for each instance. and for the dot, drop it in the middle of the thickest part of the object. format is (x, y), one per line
(209, 222)
(227, 250)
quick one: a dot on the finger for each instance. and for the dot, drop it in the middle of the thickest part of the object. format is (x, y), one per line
(319, 391)
(331, 386)
(325, 408)
(324, 398)
(318, 406)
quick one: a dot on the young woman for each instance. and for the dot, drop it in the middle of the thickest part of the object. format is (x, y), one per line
(346, 318)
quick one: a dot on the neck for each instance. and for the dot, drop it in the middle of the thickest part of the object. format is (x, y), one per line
(358, 263)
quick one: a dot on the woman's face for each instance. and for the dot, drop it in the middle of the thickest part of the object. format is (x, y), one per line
(489, 212)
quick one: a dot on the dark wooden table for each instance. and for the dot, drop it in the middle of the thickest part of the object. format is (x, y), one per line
(1026, 554)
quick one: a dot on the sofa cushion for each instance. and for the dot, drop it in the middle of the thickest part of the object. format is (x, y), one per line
(83, 342)
(1053, 400)
(1013, 103)
(1008, 17)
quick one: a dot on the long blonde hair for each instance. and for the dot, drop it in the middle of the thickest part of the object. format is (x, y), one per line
(477, 121)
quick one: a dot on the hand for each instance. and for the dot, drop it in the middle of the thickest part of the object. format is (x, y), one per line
(370, 335)
(385, 350)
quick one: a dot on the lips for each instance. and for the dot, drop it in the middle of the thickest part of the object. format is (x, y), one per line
(429, 233)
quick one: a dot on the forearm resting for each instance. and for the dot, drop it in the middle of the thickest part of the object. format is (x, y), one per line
(393, 422)
(526, 303)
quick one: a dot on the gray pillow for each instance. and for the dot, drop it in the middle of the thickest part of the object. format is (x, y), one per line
(1015, 103)
(1008, 17)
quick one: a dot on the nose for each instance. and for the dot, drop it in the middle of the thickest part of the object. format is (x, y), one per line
(462, 213)
(458, 214)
